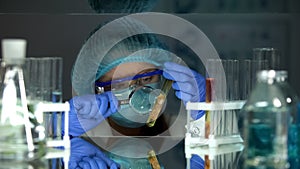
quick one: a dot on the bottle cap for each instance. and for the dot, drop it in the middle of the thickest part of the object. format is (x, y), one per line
(14, 51)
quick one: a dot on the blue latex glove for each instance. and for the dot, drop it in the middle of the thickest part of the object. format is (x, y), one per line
(86, 112)
(197, 162)
(84, 155)
(188, 84)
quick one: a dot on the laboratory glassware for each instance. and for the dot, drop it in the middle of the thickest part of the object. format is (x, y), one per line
(245, 78)
(153, 160)
(225, 156)
(294, 141)
(269, 119)
(229, 118)
(219, 126)
(271, 55)
(159, 102)
(21, 134)
(141, 96)
(248, 70)
(223, 122)
(43, 76)
(292, 100)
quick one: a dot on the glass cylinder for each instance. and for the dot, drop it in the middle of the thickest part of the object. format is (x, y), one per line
(269, 121)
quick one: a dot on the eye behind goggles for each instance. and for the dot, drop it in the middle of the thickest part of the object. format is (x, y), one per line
(139, 79)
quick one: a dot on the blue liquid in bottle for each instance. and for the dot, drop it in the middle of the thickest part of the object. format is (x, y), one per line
(293, 146)
(266, 141)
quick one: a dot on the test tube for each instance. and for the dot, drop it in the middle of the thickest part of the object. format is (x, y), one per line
(227, 114)
(159, 103)
(235, 94)
(208, 162)
(272, 56)
(229, 119)
(209, 90)
(153, 160)
(212, 118)
(245, 78)
(55, 88)
(56, 79)
(161, 98)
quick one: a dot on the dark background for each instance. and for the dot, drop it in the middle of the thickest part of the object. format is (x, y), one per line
(59, 28)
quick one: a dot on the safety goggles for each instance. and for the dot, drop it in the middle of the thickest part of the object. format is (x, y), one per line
(141, 79)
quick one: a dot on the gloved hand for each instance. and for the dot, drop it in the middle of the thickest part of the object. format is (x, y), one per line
(188, 84)
(197, 162)
(84, 155)
(86, 112)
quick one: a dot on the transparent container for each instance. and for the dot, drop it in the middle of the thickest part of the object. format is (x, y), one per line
(22, 138)
(270, 123)
(267, 58)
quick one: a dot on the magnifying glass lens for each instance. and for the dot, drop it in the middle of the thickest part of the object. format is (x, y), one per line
(142, 99)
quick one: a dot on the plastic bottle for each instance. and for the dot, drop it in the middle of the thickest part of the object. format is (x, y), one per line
(270, 122)
(21, 136)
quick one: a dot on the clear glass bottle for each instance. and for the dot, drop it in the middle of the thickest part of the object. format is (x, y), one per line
(270, 120)
(21, 136)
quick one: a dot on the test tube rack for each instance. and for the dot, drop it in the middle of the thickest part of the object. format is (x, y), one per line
(195, 135)
(225, 156)
(214, 145)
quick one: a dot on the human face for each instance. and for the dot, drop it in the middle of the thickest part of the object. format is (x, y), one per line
(134, 85)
